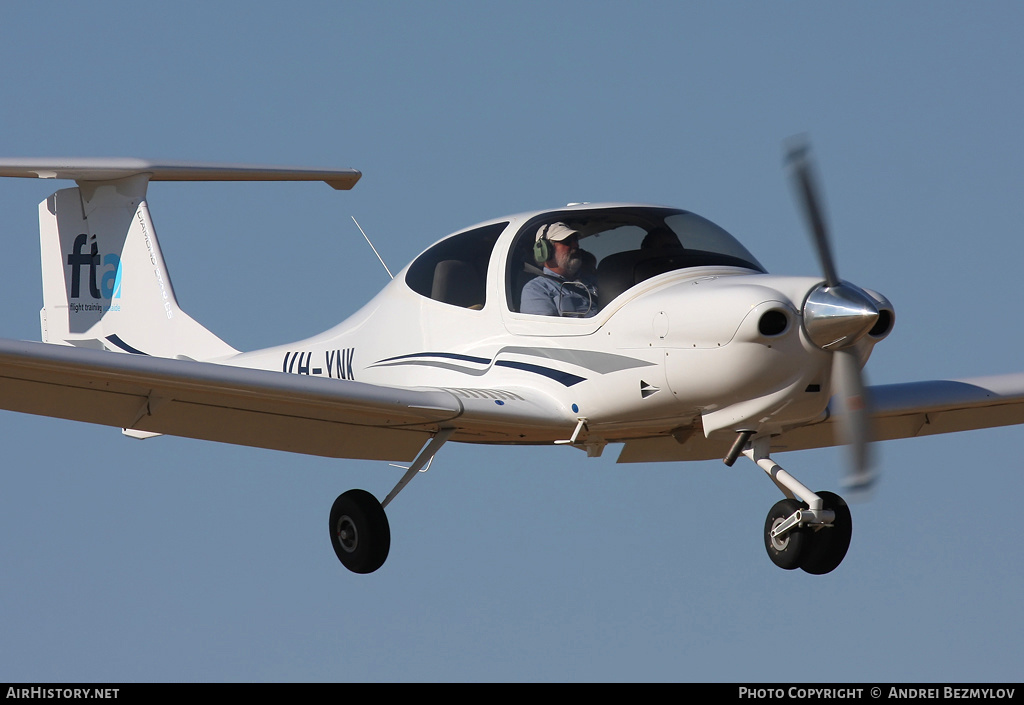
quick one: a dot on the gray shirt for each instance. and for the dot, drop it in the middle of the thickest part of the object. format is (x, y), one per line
(552, 295)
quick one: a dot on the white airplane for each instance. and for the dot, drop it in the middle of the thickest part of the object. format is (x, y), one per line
(591, 324)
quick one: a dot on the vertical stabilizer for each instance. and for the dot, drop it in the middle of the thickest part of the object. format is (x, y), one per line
(105, 283)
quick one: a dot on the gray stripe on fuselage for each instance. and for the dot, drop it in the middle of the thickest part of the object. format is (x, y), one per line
(434, 363)
(600, 362)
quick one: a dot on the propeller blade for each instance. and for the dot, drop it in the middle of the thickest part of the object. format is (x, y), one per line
(836, 315)
(805, 183)
(854, 419)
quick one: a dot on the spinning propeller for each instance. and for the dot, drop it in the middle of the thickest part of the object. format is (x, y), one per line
(837, 314)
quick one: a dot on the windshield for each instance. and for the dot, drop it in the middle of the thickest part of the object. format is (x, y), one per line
(606, 252)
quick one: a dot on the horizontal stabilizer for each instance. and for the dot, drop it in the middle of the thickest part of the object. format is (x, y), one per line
(112, 169)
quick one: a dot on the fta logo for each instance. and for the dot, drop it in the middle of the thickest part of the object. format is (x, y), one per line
(103, 271)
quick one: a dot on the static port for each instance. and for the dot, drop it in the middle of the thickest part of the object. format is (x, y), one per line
(773, 323)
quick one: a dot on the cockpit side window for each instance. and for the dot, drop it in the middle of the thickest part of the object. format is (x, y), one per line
(620, 247)
(454, 271)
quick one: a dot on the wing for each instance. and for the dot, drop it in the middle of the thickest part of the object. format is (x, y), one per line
(926, 408)
(900, 411)
(333, 418)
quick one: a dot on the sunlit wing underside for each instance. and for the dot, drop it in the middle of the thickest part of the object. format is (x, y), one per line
(927, 408)
(901, 411)
(221, 403)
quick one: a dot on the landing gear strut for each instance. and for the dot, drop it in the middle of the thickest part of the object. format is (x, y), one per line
(807, 530)
(360, 533)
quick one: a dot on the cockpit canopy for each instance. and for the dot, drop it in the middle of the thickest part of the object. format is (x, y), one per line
(621, 246)
(624, 246)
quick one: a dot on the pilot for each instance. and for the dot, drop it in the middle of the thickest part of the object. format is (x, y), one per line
(566, 287)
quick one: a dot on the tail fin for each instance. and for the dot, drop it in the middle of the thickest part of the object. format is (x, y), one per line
(105, 284)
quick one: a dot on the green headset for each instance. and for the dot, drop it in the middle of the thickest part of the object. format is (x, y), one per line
(542, 248)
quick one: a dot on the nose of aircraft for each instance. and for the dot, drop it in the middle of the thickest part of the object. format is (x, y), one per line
(836, 317)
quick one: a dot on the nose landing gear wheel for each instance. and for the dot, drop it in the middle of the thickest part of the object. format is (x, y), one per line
(787, 550)
(829, 544)
(360, 532)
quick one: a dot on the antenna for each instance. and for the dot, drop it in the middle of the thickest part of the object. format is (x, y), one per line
(372, 247)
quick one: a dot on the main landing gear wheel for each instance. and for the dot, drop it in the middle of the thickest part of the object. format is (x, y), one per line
(787, 550)
(360, 532)
(829, 544)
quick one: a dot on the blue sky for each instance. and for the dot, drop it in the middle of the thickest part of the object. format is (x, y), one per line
(178, 560)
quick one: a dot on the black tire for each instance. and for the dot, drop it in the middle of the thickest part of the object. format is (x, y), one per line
(360, 532)
(828, 545)
(787, 551)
